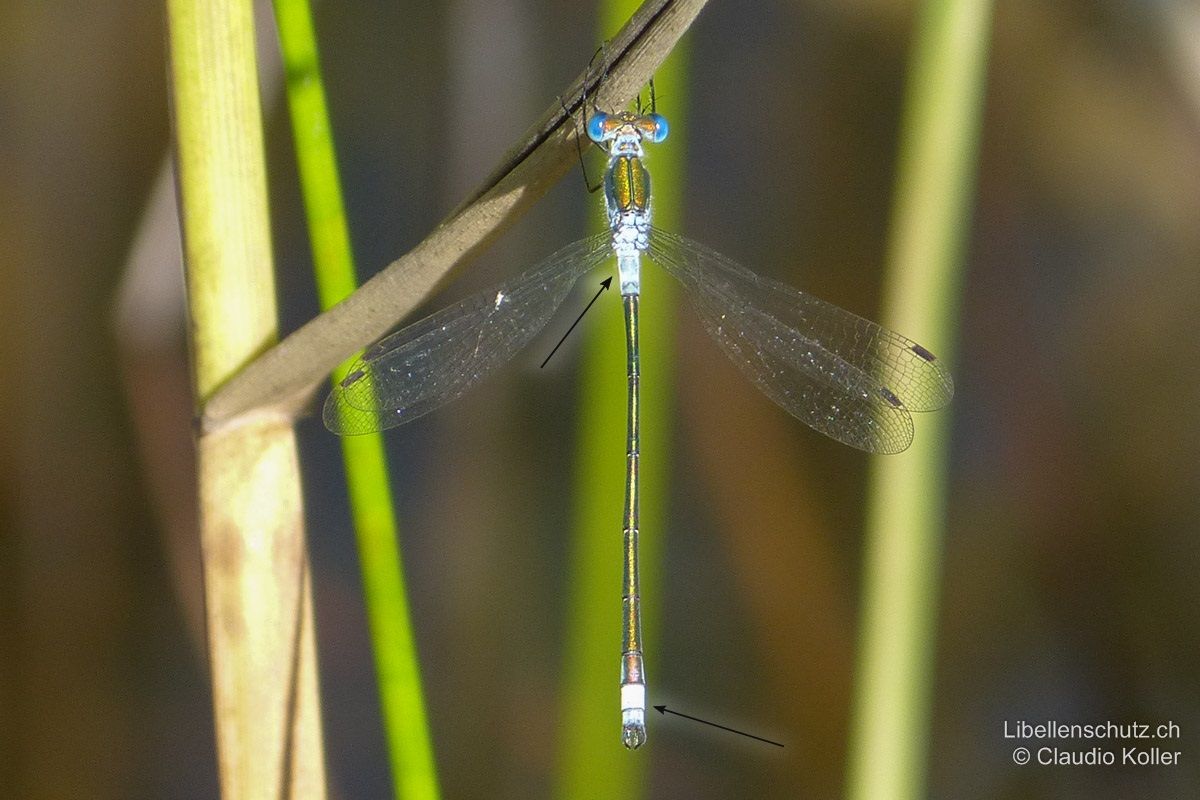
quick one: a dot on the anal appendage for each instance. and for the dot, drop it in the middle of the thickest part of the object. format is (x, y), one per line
(633, 729)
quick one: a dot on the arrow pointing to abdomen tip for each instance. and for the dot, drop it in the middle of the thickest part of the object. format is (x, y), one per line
(664, 710)
(604, 284)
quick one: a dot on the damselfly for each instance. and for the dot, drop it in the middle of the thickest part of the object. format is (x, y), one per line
(846, 377)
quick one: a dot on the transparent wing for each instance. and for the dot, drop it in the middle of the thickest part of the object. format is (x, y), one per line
(843, 375)
(437, 359)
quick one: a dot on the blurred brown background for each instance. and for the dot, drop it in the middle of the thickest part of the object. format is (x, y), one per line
(1072, 549)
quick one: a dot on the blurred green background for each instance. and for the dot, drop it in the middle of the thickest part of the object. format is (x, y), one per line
(1071, 551)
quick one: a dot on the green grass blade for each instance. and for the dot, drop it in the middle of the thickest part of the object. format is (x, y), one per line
(906, 496)
(410, 751)
(593, 762)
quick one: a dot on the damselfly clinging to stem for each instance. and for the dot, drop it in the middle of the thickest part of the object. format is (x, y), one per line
(846, 377)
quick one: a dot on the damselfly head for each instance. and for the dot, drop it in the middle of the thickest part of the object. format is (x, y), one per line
(604, 127)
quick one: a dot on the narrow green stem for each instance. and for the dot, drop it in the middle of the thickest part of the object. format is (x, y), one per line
(410, 751)
(906, 496)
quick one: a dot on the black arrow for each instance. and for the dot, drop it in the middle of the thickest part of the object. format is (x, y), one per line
(665, 710)
(604, 284)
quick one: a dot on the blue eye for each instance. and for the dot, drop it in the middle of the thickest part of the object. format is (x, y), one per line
(661, 129)
(595, 126)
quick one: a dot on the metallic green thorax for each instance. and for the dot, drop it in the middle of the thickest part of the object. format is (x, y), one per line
(627, 185)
